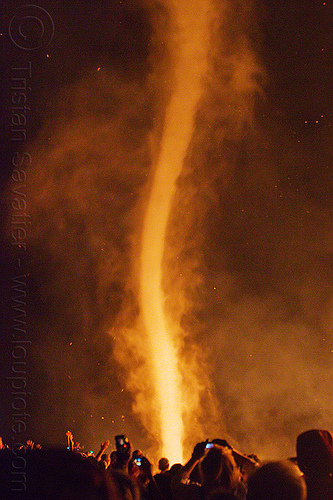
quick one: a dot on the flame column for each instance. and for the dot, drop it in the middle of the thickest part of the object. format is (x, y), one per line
(192, 18)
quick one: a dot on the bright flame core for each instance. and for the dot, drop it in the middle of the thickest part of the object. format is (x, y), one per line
(193, 24)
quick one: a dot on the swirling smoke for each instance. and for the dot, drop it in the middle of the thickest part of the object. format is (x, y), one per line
(247, 263)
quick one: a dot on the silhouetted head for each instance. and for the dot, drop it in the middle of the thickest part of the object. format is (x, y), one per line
(315, 452)
(163, 464)
(175, 468)
(219, 468)
(276, 481)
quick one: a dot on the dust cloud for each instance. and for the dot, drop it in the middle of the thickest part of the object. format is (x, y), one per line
(247, 272)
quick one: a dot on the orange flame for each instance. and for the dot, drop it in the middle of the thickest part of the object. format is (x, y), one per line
(192, 20)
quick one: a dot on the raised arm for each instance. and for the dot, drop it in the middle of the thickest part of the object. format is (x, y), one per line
(198, 453)
(104, 446)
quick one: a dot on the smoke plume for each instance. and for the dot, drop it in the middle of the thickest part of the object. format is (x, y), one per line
(247, 262)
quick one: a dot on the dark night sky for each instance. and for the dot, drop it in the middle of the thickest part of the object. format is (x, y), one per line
(259, 233)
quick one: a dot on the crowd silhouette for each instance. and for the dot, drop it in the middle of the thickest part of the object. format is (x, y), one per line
(215, 471)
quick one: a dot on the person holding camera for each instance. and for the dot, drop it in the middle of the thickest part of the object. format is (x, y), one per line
(218, 471)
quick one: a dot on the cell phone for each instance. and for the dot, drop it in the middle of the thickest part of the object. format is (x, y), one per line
(120, 440)
(122, 445)
(138, 461)
(209, 445)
